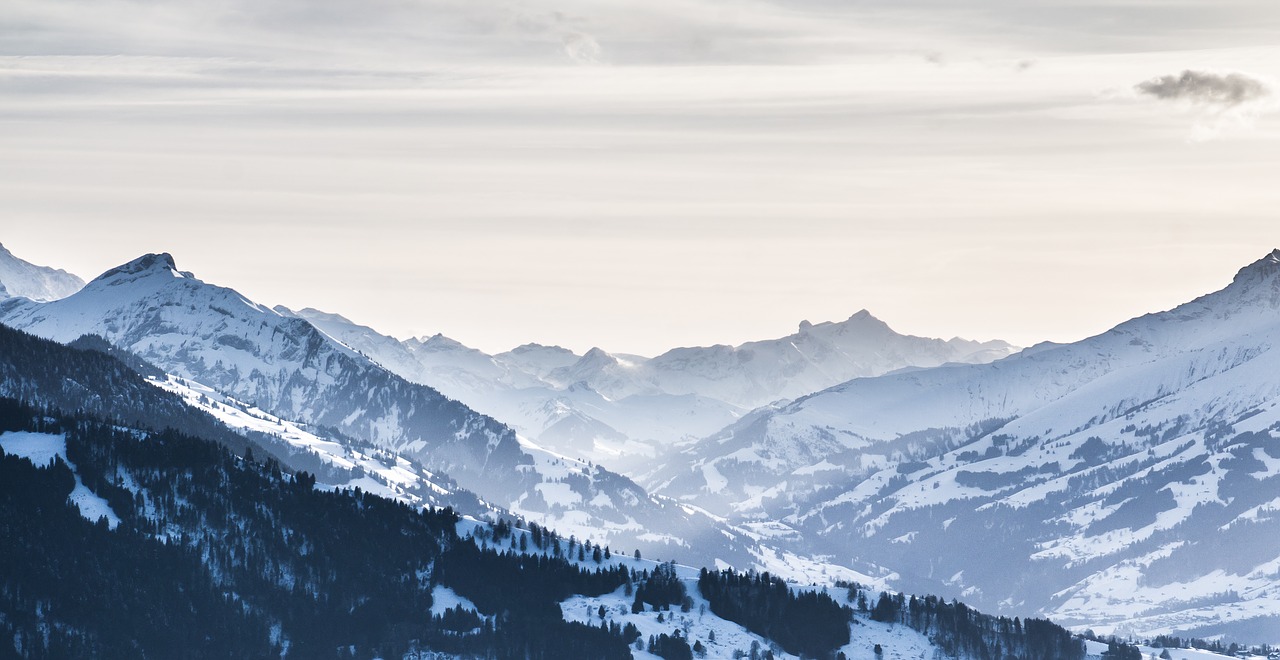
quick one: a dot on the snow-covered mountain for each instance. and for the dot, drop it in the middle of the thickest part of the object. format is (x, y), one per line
(23, 278)
(623, 410)
(213, 337)
(1126, 482)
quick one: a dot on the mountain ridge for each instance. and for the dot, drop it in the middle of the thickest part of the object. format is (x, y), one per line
(284, 365)
(21, 278)
(917, 470)
(625, 410)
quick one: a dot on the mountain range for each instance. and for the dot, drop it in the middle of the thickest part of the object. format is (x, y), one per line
(626, 410)
(1128, 483)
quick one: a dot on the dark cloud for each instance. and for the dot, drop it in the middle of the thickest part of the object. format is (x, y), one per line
(1207, 88)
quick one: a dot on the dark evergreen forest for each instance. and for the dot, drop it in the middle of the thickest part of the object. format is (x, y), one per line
(808, 623)
(217, 556)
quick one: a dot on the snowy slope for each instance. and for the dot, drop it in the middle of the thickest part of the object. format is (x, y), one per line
(1096, 649)
(25, 279)
(1097, 482)
(720, 637)
(368, 468)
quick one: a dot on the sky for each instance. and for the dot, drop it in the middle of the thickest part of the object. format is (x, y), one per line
(644, 175)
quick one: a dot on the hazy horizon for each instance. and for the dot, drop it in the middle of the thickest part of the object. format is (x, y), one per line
(582, 348)
(637, 177)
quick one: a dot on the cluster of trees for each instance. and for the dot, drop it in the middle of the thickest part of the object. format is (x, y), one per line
(960, 630)
(1121, 651)
(670, 647)
(660, 589)
(808, 623)
(516, 585)
(1215, 645)
(544, 539)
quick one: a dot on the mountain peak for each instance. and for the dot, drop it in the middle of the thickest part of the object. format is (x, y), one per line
(863, 321)
(438, 342)
(860, 318)
(1261, 277)
(533, 346)
(311, 313)
(1267, 266)
(19, 277)
(597, 354)
(146, 263)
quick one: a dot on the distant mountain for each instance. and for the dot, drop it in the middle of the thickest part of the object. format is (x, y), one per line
(40, 283)
(518, 387)
(761, 372)
(623, 410)
(1129, 482)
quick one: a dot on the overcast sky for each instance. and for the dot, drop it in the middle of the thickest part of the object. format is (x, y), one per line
(646, 174)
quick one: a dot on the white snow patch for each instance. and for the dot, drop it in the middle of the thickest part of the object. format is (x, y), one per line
(40, 448)
(443, 598)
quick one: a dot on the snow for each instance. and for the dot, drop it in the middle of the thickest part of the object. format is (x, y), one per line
(1094, 651)
(896, 641)
(695, 625)
(443, 598)
(40, 449)
(389, 476)
(822, 466)
(715, 481)
(700, 622)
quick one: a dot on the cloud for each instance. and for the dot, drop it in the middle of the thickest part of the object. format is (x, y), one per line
(1206, 88)
(581, 47)
(1218, 101)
